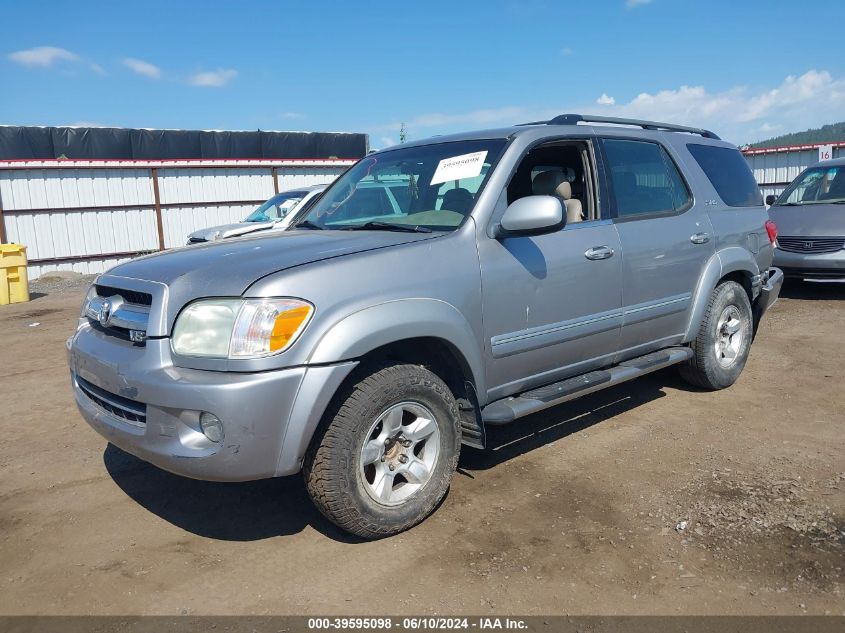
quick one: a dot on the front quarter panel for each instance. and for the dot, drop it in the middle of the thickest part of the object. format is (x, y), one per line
(363, 301)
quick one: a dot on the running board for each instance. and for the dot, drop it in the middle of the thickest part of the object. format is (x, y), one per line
(509, 409)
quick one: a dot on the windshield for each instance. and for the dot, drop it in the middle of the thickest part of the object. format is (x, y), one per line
(431, 187)
(816, 186)
(276, 207)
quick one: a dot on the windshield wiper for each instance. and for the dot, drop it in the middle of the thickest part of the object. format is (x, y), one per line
(788, 204)
(307, 224)
(387, 226)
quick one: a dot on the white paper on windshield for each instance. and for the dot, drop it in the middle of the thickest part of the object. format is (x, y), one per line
(458, 167)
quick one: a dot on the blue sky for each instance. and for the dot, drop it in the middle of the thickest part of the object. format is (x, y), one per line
(748, 69)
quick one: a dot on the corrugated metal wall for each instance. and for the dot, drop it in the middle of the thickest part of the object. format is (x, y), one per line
(87, 216)
(774, 168)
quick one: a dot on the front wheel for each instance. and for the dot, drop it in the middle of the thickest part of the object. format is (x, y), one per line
(386, 453)
(724, 339)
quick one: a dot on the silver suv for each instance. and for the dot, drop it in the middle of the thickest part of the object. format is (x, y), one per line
(435, 289)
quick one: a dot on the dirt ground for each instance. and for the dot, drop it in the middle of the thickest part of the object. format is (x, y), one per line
(650, 498)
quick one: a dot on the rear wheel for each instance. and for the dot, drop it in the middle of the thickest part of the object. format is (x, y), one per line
(387, 451)
(723, 341)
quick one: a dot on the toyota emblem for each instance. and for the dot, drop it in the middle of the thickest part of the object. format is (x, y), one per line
(104, 313)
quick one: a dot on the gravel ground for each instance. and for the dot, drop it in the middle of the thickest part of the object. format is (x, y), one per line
(648, 498)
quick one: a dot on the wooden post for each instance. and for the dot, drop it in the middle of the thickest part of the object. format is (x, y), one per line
(275, 179)
(157, 206)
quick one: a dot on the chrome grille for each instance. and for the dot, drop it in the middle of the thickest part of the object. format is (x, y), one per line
(130, 296)
(117, 311)
(133, 412)
(810, 244)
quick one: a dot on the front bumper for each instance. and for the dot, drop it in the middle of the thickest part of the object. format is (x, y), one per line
(139, 401)
(809, 266)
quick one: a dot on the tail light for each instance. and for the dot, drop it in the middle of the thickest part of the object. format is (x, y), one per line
(772, 230)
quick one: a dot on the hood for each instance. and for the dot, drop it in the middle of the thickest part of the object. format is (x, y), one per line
(229, 230)
(810, 220)
(227, 268)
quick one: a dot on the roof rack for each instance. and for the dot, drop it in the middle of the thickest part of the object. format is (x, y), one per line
(574, 119)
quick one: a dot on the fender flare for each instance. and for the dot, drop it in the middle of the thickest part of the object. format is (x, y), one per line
(724, 262)
(368, 329)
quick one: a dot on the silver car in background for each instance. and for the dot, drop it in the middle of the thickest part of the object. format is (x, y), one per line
(810, 215)
(277, 213)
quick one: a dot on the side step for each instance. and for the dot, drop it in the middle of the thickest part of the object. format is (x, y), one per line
(509, 409)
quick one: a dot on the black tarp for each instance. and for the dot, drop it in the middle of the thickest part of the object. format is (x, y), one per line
(17, 142)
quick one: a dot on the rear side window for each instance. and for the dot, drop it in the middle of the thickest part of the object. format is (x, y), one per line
(729, 173)
(645, 180)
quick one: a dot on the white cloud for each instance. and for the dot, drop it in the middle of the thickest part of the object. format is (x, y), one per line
(605, 99)
(291, 115)
(493, 116)
(738, 114)
(142, 68)
(387, 141)
(633, 4)
(87, 124)
(213, 79)
(566, 52)
(742, 115)
(98, 69)
(43, 56)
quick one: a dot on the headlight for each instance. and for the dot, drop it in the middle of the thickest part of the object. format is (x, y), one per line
(92, 292)
(239, 328)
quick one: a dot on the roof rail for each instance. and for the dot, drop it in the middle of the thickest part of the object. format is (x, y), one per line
(574, 119)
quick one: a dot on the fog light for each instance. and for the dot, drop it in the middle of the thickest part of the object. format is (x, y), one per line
(211, 427)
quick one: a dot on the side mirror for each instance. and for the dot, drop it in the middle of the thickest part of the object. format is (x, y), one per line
(771, 199)
(532, 215)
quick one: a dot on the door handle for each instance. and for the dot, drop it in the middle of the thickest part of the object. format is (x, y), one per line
(599, 252)
(699, 238)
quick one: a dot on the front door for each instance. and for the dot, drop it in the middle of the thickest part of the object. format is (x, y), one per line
(551, 303)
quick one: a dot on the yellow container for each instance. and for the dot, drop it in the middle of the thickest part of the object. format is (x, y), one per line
(14, 286)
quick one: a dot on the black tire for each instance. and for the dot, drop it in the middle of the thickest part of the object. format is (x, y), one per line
(708, 368)
(335, 478)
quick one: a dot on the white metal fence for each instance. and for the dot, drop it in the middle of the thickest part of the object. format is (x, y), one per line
(775, 167)
(90, 215)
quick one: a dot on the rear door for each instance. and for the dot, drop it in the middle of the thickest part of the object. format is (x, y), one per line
(666, 239)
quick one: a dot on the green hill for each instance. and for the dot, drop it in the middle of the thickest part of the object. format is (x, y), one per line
(825, 134)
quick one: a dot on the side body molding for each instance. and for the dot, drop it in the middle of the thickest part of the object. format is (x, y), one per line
(385, 323)
(723, 262)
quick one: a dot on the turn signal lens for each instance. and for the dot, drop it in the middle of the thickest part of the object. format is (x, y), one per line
(772, 230)
(268, 326)
(287, 326)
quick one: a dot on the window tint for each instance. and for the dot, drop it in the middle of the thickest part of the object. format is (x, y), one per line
(645, 180)
(730, 174)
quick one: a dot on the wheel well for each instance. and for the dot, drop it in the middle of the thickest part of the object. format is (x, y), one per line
(438, 355)
(743, 278)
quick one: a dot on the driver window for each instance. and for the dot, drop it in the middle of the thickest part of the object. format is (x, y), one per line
(561, 170)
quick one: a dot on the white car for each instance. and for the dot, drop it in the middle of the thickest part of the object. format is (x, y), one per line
(277, 213)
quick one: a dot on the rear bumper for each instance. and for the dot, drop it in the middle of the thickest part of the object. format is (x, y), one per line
(770, 291)
(821, 266)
